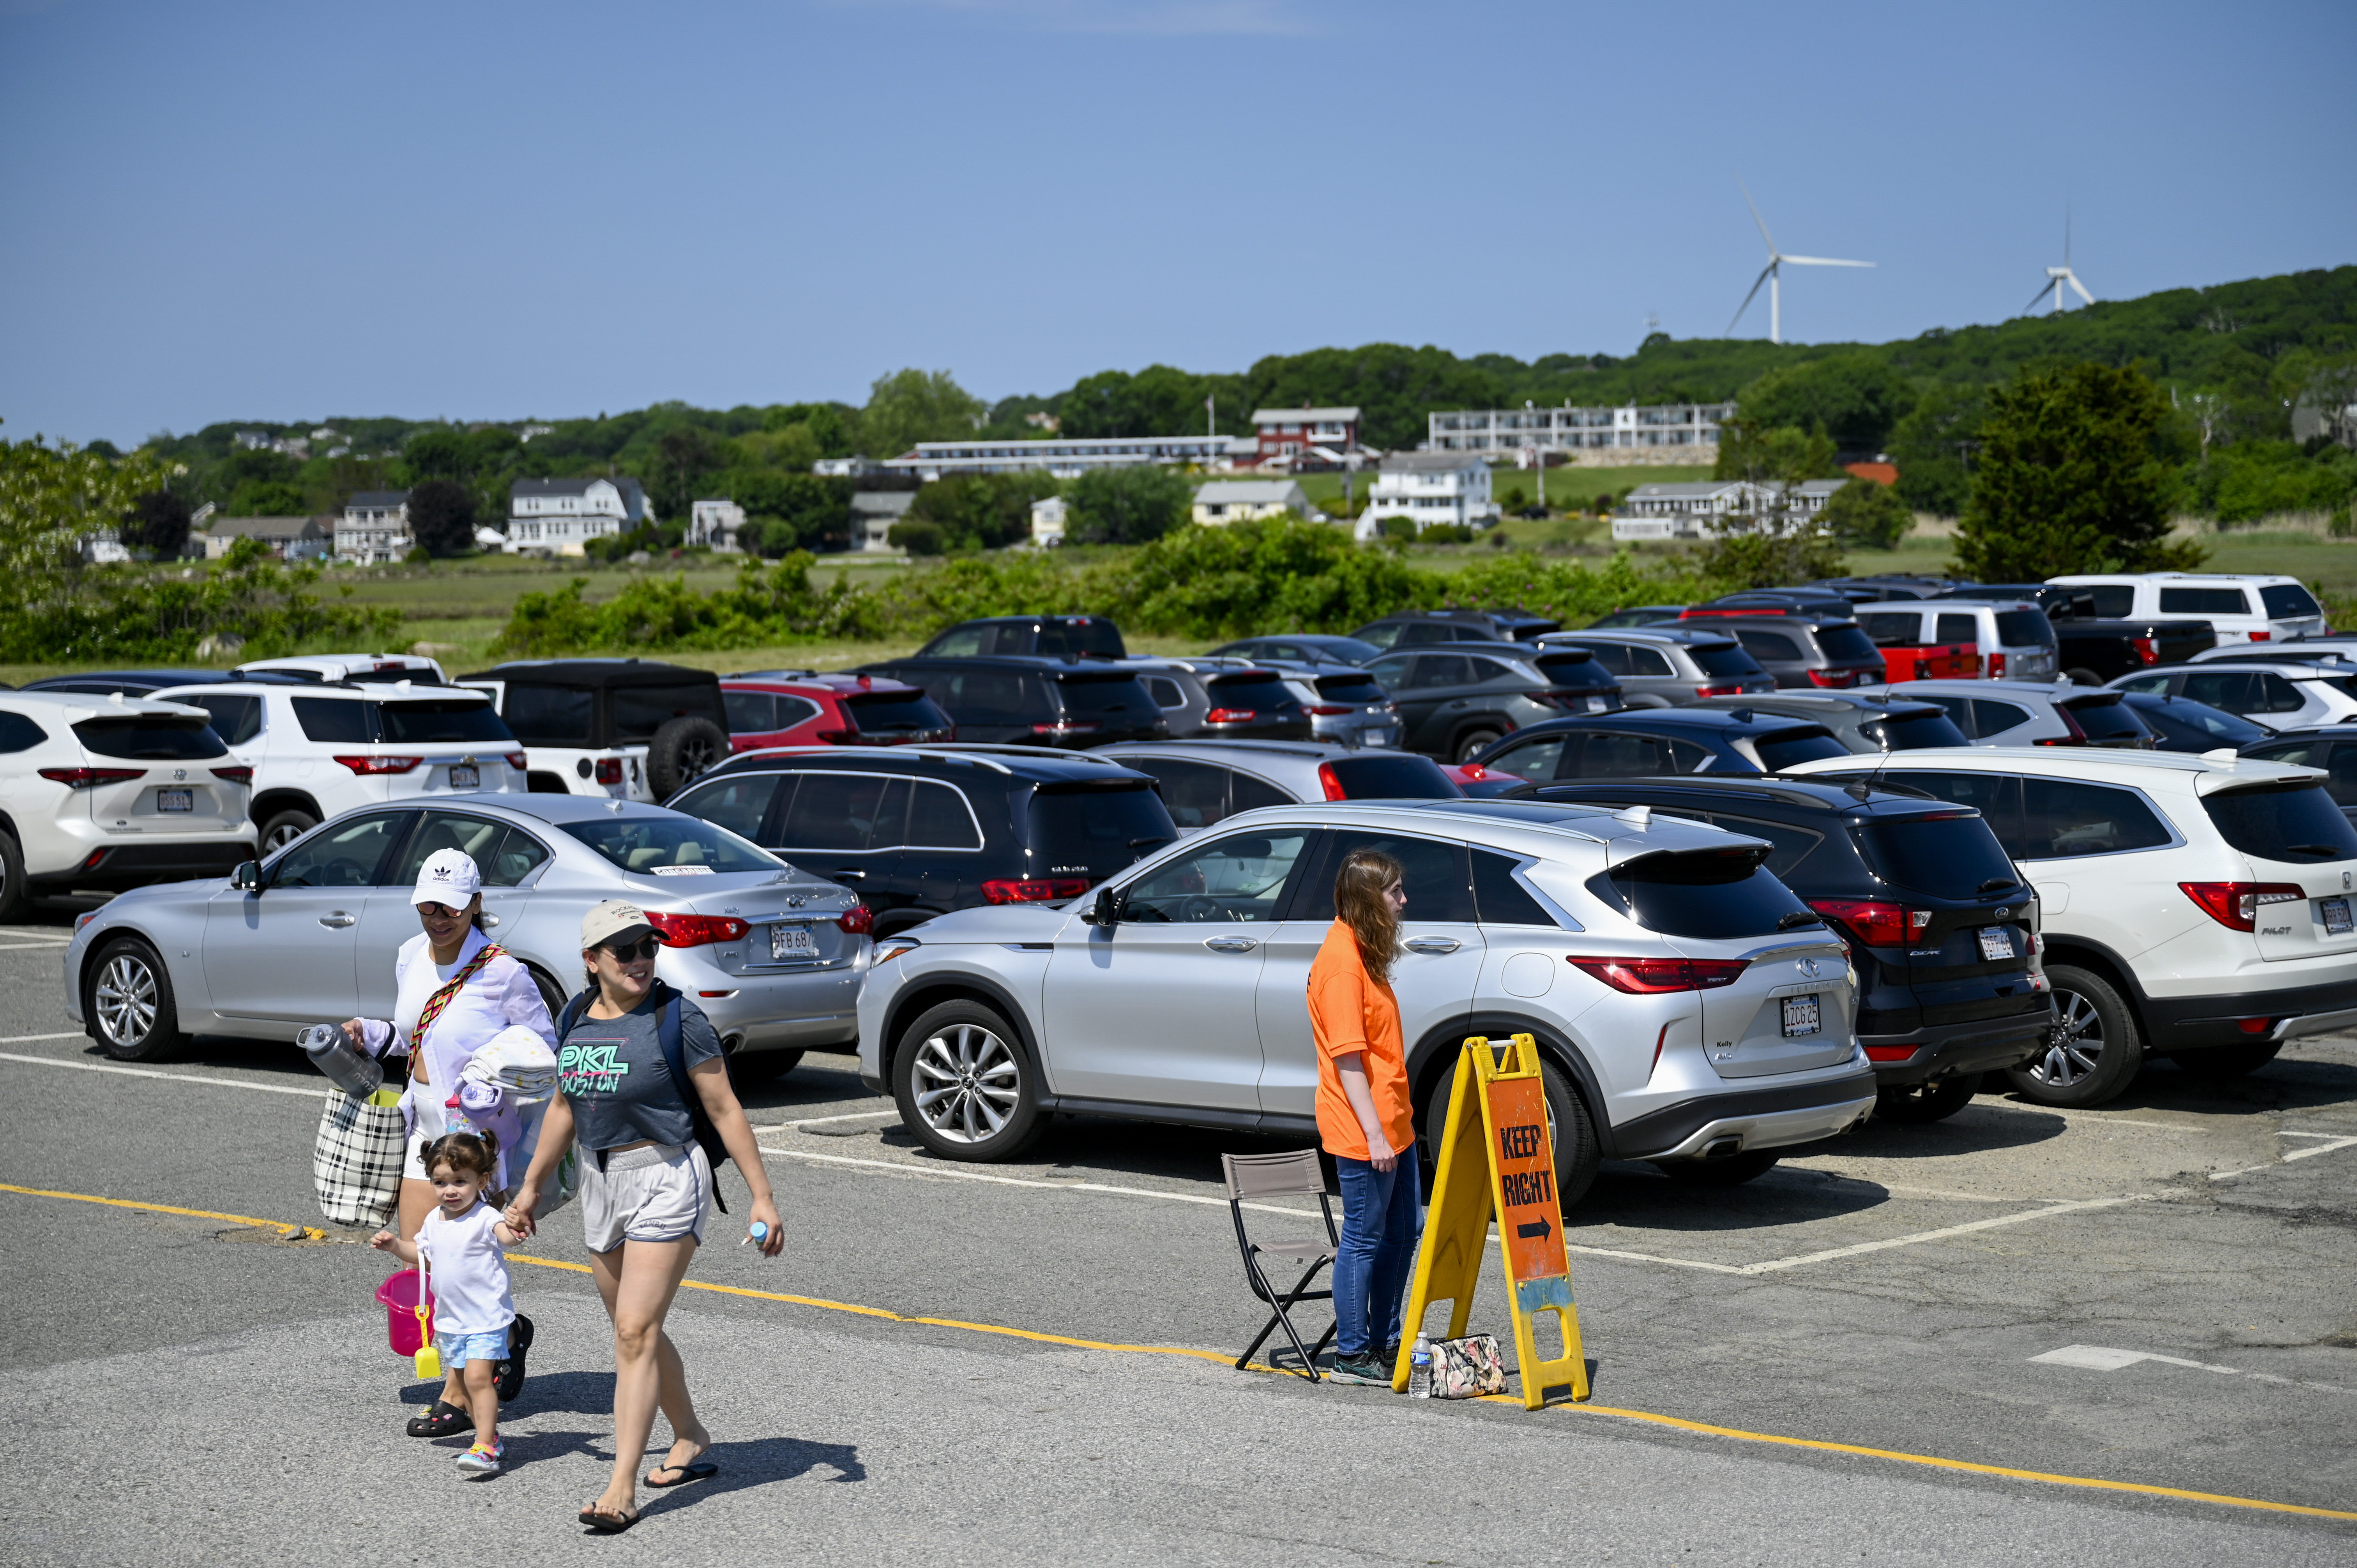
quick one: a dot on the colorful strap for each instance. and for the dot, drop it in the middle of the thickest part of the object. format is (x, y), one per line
(443, 998)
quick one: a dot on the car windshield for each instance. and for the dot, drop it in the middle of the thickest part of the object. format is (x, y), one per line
(404, 724)
(879, 713)
(2024, 628)
(1945, 854)
(2106, 718)
(1912, 732)
(1715, 893)
(1261, 692)
(1349, 688)
(2295, 822)
(1786, 748)
(2182, 719)
(1404, 777)
(1095, 828)
(160, 738)
(671, 845)
(1845, 644)
(1110, 695)
(1725, 660)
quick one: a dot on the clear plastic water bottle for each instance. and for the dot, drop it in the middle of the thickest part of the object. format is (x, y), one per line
(332, 1052)
(1419, 1370)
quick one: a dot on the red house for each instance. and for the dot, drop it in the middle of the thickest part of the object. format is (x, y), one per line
(1289, 434)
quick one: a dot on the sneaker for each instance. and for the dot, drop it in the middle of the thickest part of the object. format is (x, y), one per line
(508, 1370)
(480, 1463)
(1362, 1369)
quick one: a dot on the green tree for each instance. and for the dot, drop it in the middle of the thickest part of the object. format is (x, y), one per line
(441, 517)
(2069, 479)
(436, 452)
(157, 522)
(1129, 505)
(683, 458)
(912, 405)
(1866, 515)
(52, 497)
(1750, 449)
(794, 511)
(1856, 398)
(1934, 448)
(269, 497)
(980, 512)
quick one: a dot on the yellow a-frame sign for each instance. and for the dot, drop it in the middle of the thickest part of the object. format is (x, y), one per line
(1498, 1131)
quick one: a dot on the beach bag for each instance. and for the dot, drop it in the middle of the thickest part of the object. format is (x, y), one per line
(356, 1161)
(1463, 1368)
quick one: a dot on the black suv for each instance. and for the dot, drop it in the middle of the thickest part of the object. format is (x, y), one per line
(1941, 927)
(1862, 721)
(1035, 701)
(593, 726)
(1056, 636)
(1801, 647)
(1413, 629)
(1457, 701)
(923, 829)
(1647, 743)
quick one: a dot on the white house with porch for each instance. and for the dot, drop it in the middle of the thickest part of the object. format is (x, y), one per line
(1430, 488)
(1695, 510)
(557, 517)
(373, 528)
(1242, 500)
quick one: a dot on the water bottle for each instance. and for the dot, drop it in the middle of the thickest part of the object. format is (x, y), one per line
(1419, 1370)
(332, 1052)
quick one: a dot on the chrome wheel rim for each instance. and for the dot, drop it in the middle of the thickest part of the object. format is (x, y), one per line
(124, 1000)
(968, 1083)
(279, 837)
(2074, 1046)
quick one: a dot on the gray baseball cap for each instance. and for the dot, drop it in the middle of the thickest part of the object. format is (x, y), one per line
(612, 921)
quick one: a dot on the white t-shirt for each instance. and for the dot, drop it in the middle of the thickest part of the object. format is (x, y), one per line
(469, 1277)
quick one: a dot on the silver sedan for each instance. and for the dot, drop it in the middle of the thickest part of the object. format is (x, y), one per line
(772, 954)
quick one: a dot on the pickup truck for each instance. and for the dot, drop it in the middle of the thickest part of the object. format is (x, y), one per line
(2092, 653)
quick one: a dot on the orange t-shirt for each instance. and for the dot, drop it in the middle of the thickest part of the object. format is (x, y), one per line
(1350, 1010)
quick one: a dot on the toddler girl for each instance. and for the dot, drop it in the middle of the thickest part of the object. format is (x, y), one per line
(464, 1243)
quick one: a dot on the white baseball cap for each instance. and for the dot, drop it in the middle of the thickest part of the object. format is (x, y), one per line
(614, 917)
(448, 877)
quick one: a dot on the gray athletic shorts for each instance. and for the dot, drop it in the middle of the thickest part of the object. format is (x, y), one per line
(658, 1193)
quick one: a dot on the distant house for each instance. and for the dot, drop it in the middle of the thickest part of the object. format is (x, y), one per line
(557, 517)
(1881, 473)
(373, 528)
(1430, 488)
(845, 467)
(715, 524)
(2313, 416)
(293, 538)
(1048, 516)
(1691, 511)
(1287, 434)
(1238, 500)
(873, 513)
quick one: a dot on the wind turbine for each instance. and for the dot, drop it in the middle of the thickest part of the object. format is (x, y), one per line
(1772, 275)
(2057, 276)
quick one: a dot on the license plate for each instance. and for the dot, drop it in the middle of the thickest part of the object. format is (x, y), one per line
(1802, 1016)
(1595, 704)
(1996, 942)
(176, 799)
(2336, 917)
(465, 777)
(790, 941)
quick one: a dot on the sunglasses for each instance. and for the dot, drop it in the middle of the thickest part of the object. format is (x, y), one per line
(643, 948)
(443, 911)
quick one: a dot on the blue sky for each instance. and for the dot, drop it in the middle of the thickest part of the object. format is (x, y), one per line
(495, 210)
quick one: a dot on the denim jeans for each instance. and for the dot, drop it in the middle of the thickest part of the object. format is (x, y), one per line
(1380, 1213)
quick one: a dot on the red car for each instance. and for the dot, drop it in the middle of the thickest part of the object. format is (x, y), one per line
(801, 707)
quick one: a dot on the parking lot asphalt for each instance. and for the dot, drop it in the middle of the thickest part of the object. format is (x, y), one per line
(1028, 1360)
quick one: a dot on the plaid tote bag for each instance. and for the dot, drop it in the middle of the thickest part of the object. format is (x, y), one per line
(356, 1163)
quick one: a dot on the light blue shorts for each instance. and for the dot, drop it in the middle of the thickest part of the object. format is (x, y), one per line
(458, 1350)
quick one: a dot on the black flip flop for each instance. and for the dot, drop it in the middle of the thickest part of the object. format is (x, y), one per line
(510, 1370)
(604, 1523)
(441, 1420)
(693, 1470)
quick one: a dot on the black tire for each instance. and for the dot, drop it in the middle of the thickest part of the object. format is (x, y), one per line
(128, 1003)
(15, 902)
(1577, 1152)
(1473, 742)
(751, 1069)
(1732, 1171)
(284, 828)
(2092, 1050)
(1914, 1104)
(2083, 677)
(553, 996)
(971, 1059)
(681, 751)
(2220, 1064)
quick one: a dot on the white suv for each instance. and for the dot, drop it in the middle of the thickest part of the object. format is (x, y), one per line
(100, 794)
(314, 751)
(2243, 607)
(2193, 909)
(366, 667)
(1689, 1009)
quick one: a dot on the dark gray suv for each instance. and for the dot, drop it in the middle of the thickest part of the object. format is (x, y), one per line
(1457, 700)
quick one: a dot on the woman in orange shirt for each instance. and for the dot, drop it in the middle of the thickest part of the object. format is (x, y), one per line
(1363, 1116)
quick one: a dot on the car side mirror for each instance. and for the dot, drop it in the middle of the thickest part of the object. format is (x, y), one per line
(1106, 911)
(247, 878)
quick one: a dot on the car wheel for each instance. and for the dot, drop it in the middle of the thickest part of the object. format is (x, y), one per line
(14, 902)
(1732, 1171)
(963, 1084)
(751, 1069)
(2091, 1052)
(128, 1002)
(681, 751)
(1915, 1104)
(2083, 677)
(1577, 1152)
(2219, 1063)
(284, 829)
(1473, 743)
(552, 996)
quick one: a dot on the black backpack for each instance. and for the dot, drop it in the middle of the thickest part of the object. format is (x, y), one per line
(668, 1030)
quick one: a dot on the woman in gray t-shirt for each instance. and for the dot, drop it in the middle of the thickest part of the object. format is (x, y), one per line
(646, 1186)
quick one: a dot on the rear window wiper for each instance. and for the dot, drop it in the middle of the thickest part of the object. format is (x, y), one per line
(1994, 883)
(1796, 918)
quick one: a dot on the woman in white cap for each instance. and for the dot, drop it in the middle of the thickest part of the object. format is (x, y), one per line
(633, 1052)
(457, 992)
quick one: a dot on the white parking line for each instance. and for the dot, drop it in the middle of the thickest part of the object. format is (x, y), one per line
(168, 1076)
(823, 1121)
(2103, 1359)
(25, 1039)
(12, 947)
(2072, 1207)
(2333, 1143)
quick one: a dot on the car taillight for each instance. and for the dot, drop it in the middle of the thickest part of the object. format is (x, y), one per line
(1890, 1053)
(1835, 677)
(85, 778)
(1230, 716)
(235, 775)
(857, 920)
(2262, 636)
(1996, 666)
(2235, 905)
(695, 931)
(1331, 783)
(1876, 923)
(1473, 772)
(1652, 976)
(609, 770)
(1066, 727)
(517, 760)
(836, 736)
(1326, 710)
(368, 764)
(1032, 889)
(2147, 648)
(1732, 690)
(2077, 736)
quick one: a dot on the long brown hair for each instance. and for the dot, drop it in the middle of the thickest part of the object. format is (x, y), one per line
(1359, 904)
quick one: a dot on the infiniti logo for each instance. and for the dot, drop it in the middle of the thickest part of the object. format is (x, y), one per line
(1809, 967)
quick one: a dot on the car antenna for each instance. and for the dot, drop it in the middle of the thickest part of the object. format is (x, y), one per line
(1864, 788)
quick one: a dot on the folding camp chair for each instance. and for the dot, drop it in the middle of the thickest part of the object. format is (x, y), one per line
(1282, 1175)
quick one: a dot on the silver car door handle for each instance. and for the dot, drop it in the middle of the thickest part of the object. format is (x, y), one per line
(1230, 944)
(1431, 944)
(339, 920)
(489, 920)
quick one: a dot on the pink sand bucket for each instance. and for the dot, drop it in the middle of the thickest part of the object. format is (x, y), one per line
(401, 1328)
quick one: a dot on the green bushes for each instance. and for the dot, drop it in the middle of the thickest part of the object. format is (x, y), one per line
(124, 613)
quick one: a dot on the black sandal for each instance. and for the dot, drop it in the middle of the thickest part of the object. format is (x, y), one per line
(698, 1469)
(442, 1421)
(510, 1370)
(605, 1523)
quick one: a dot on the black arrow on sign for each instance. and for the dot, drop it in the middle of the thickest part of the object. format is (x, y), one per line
(1537, 1230)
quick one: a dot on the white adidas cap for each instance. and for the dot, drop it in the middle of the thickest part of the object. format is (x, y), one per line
(448, 877)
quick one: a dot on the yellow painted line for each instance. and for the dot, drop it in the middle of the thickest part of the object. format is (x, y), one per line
(1705, 1428)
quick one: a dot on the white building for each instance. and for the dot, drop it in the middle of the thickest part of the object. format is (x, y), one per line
(715, 524)
(1432, 488)
(873, 513)
(1065, 458)
(1695, 511)
(1238, 500)
(1624, 437)
(1048, 515)
(373, 527)
(556, 516)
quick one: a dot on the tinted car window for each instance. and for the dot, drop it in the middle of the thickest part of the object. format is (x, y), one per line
(1196, 793)
(1383, 634)
(2062, 818)
(1099, 829)
(1537, 759)
(1996, 796)
(1647, 663)
(893, 712)
(739, 802)
(1240, 878)
(235, 719)
(964, 643)
(1091, 635)
(1769, 645)
(2227, 689)
(1260, 693)
(1723, 658)
(547, 715)
(1957, 628)
(2298, 823)
(1605, 753)
(1165, 691)
(341, 854)
(2188, 723)
(157, 739)
(1392, 672)
(671, 845)
(1567, 672)
(1114, 697)
(845, 812)
(640, 711)
(1610, 657)
(1942, 855)
(1502, 900)
(1892, 628)
(1912, 732)
(1490, 672)
(1846, 644)
(2278, 696)
(1438, 877)
(1247, 793)
(2024, 628)
(2112, 599)
(1433, 670)
(1992, 717)
(990, 696)
(1784, 748)
(2106, 719)
(1394, 776)
(332, 721)
(1349, 689)
(750, 712)
(1714, 895)
(2288, 601)
(19, 733)
(1793, 842)
(518, 854)
(410, 724)
(939, 817)
(2203, 602)
(472, 836)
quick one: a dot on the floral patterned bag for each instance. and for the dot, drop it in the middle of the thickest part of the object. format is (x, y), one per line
(1462, 1368)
